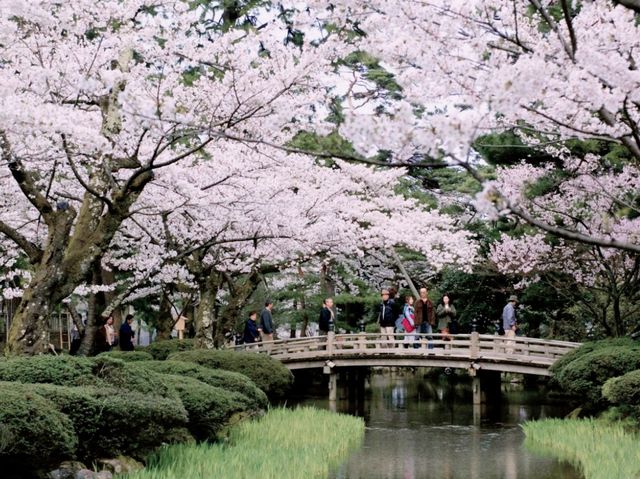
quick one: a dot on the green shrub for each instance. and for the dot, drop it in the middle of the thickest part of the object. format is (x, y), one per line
(228, 380)
(61, 370)
(32, 431)
(109, 422)
(161, 350)
(210, 409)
(128, 355)
(108, 372)
(267, 373)
(102, 371)
(585, 375)
(587, 348)
(624, 391)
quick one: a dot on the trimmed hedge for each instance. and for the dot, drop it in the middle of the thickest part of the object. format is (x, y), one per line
(61, 370)
(128, 355)
(110, 422)
(101, 371)
(227, 380)
(161, 350)
(589, 347)
(267, 373)
(624, 389)
(585, 375)
(32, 431)
(210, 409)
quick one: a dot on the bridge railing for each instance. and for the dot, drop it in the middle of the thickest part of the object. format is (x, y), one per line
(468, 346)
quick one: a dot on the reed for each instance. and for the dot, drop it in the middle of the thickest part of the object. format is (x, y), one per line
(601, 449)
(284, 444)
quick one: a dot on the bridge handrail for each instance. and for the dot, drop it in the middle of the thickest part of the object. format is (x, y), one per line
(472, 346)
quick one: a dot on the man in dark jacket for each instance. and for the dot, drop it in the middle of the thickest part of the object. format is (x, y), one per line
(326, 317)
(127, 334)
(425, 314)
(386, 319)
(251, 333)
(266, 322)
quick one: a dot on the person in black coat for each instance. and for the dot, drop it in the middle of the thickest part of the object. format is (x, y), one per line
(326, 317)
(251, 334)
(127, 334)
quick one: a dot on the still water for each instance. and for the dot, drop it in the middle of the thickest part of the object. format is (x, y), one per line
(419, 427)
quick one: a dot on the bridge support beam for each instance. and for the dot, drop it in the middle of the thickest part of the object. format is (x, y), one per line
(477, 390)
(333, 386)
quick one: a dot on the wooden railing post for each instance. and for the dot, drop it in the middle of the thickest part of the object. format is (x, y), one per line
(331, 336)
(474, 347)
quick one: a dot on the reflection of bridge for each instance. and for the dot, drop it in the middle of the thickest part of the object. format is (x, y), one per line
(473, 352)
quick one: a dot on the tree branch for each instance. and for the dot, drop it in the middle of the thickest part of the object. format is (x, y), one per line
(25, 179)
(30, 249)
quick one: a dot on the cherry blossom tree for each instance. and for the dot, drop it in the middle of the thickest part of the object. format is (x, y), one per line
(551, 71)
(135, 138)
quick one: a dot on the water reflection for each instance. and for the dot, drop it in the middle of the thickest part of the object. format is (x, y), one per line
(419, 428)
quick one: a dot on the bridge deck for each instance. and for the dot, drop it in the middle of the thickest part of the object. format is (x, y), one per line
(468, 351)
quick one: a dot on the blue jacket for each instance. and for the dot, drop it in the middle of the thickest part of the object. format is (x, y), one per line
(508, 317)
(386, 313)
(266, 321)
(126, 337)
(250, 332)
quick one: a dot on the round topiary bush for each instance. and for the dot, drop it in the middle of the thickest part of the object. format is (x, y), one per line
(623, 390)
(109, 372)
(209, 408)
(60, 370)
(128, 355)
(228, 380)
(585, 375)
(32, 431)
(101, 371)
(587, 348)
(161, 350)
(267, 373)
(110, 422)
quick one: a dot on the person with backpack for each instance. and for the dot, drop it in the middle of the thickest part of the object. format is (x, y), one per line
(408, 321)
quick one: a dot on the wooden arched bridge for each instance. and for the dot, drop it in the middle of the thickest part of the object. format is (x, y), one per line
(473, 352)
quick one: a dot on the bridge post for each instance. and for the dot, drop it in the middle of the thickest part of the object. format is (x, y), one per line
(476, 387)
(333, 386)
(474, 347)
(331, 336)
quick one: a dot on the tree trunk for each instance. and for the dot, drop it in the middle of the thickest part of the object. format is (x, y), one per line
(205, 311)
(164, 321)
(239, 293)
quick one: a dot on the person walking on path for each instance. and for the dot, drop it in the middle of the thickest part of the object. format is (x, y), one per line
(251, 334)
(386, 320)
(266, 322)
(446, 314)
(509, 322)
(425, 315)
(326, 317)
(127, 334)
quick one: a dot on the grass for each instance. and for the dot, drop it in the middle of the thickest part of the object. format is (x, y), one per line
(601, 449)
(284, 444)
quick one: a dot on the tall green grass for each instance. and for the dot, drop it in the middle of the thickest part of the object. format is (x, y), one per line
(601, 449)
(284, 444)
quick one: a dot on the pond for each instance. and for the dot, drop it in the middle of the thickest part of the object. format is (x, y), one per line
(427, 427)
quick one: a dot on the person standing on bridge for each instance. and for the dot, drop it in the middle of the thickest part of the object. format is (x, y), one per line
(446, 313)
(266, 322)
(425, 315)
(386, 320)
(326, 317)
(509, 322)
(251, 334)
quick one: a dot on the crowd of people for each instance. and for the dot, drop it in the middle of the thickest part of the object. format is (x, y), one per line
(414, 317)
(106, 336)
